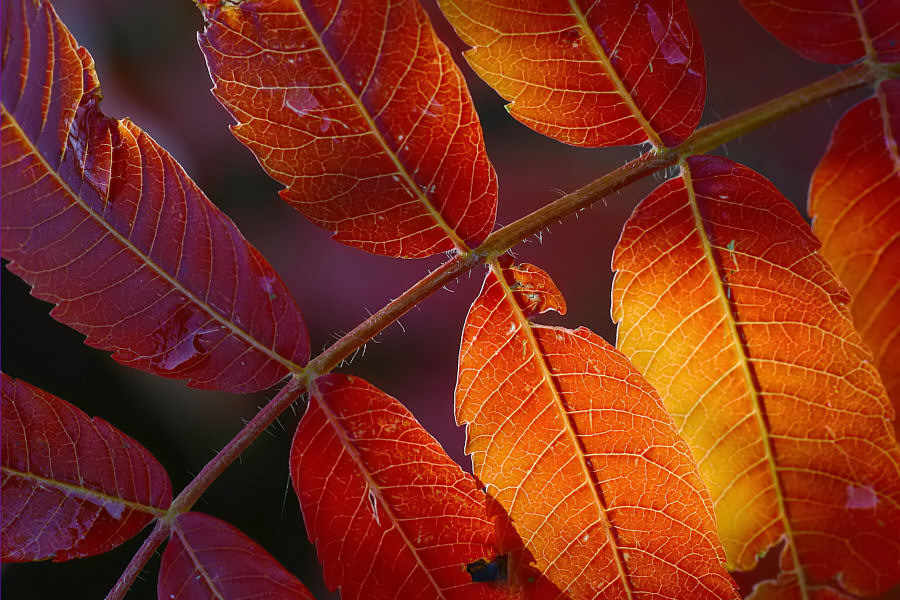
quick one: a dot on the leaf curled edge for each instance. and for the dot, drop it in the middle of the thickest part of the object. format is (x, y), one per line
(105, 224)
(576, 447)
(72, 486)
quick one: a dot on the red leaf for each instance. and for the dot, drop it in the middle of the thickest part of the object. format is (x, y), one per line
(589, 73)
(854, 200)
(577, 448)
(728, 309)
(73, 486)
(787, 588)
(392, 516)
(107, 226)
(833, 31)
(360, 111)
(209, 559)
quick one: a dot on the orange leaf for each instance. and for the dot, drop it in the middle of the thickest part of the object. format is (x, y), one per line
(576, 447)
(589, 73)
(726, 306)
(392, 516)
(361, 112)
(854, 200)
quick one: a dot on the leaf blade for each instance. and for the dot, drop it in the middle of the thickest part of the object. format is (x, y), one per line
(854, 200)
(362, 115)
(755, 356)
(589, 74)
(379, 495)
(833, 31)
(73, 486)
(575, 446)
(105, 224)
(208, 559)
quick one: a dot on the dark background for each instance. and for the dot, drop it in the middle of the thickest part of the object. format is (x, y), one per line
(152, 71)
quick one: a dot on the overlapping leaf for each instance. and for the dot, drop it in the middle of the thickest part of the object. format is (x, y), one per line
(589, 73)
(72, 486)
(726, 306)
(575, 445)
(106, 225)
(208, 559)
(854, 200)
(359, 110)
(833, 31)
(392, 516)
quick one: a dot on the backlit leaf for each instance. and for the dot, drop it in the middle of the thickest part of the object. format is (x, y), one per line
(833, 31)
(725, 305)
(208, 559)
(589, 73)
(105, 224)
(392, 516)
(575, 445)
(73, 486)
(854, 200)
(358, 109)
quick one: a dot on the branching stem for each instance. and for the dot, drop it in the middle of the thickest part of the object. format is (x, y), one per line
(703, 140)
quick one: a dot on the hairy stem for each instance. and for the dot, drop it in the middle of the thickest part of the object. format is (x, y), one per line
(210, 472)
(497, 243)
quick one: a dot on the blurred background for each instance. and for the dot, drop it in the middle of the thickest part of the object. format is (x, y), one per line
(151, 70)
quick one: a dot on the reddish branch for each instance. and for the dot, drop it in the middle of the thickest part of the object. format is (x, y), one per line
(703, 140)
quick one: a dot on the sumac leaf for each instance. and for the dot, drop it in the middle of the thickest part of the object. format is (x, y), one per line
(359, 110)
(575, 445)
(854, 200)
(725, 305)
(392, 516)
(208, 559)
(72, 486)
(833, 31)
(589, 73)
(105, 224)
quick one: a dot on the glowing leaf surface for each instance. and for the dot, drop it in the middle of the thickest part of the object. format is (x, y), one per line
(392, 516)
(105, 224)
(208, 559)
(728, 309)
(359, 110)
(73, 486)
(575, 445)
(589, 73)
(854, 200)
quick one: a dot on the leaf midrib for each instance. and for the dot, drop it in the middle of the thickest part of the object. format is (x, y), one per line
(144, 258)
(376, 132)
(743, 359)
(613, 76)
(571, 434)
